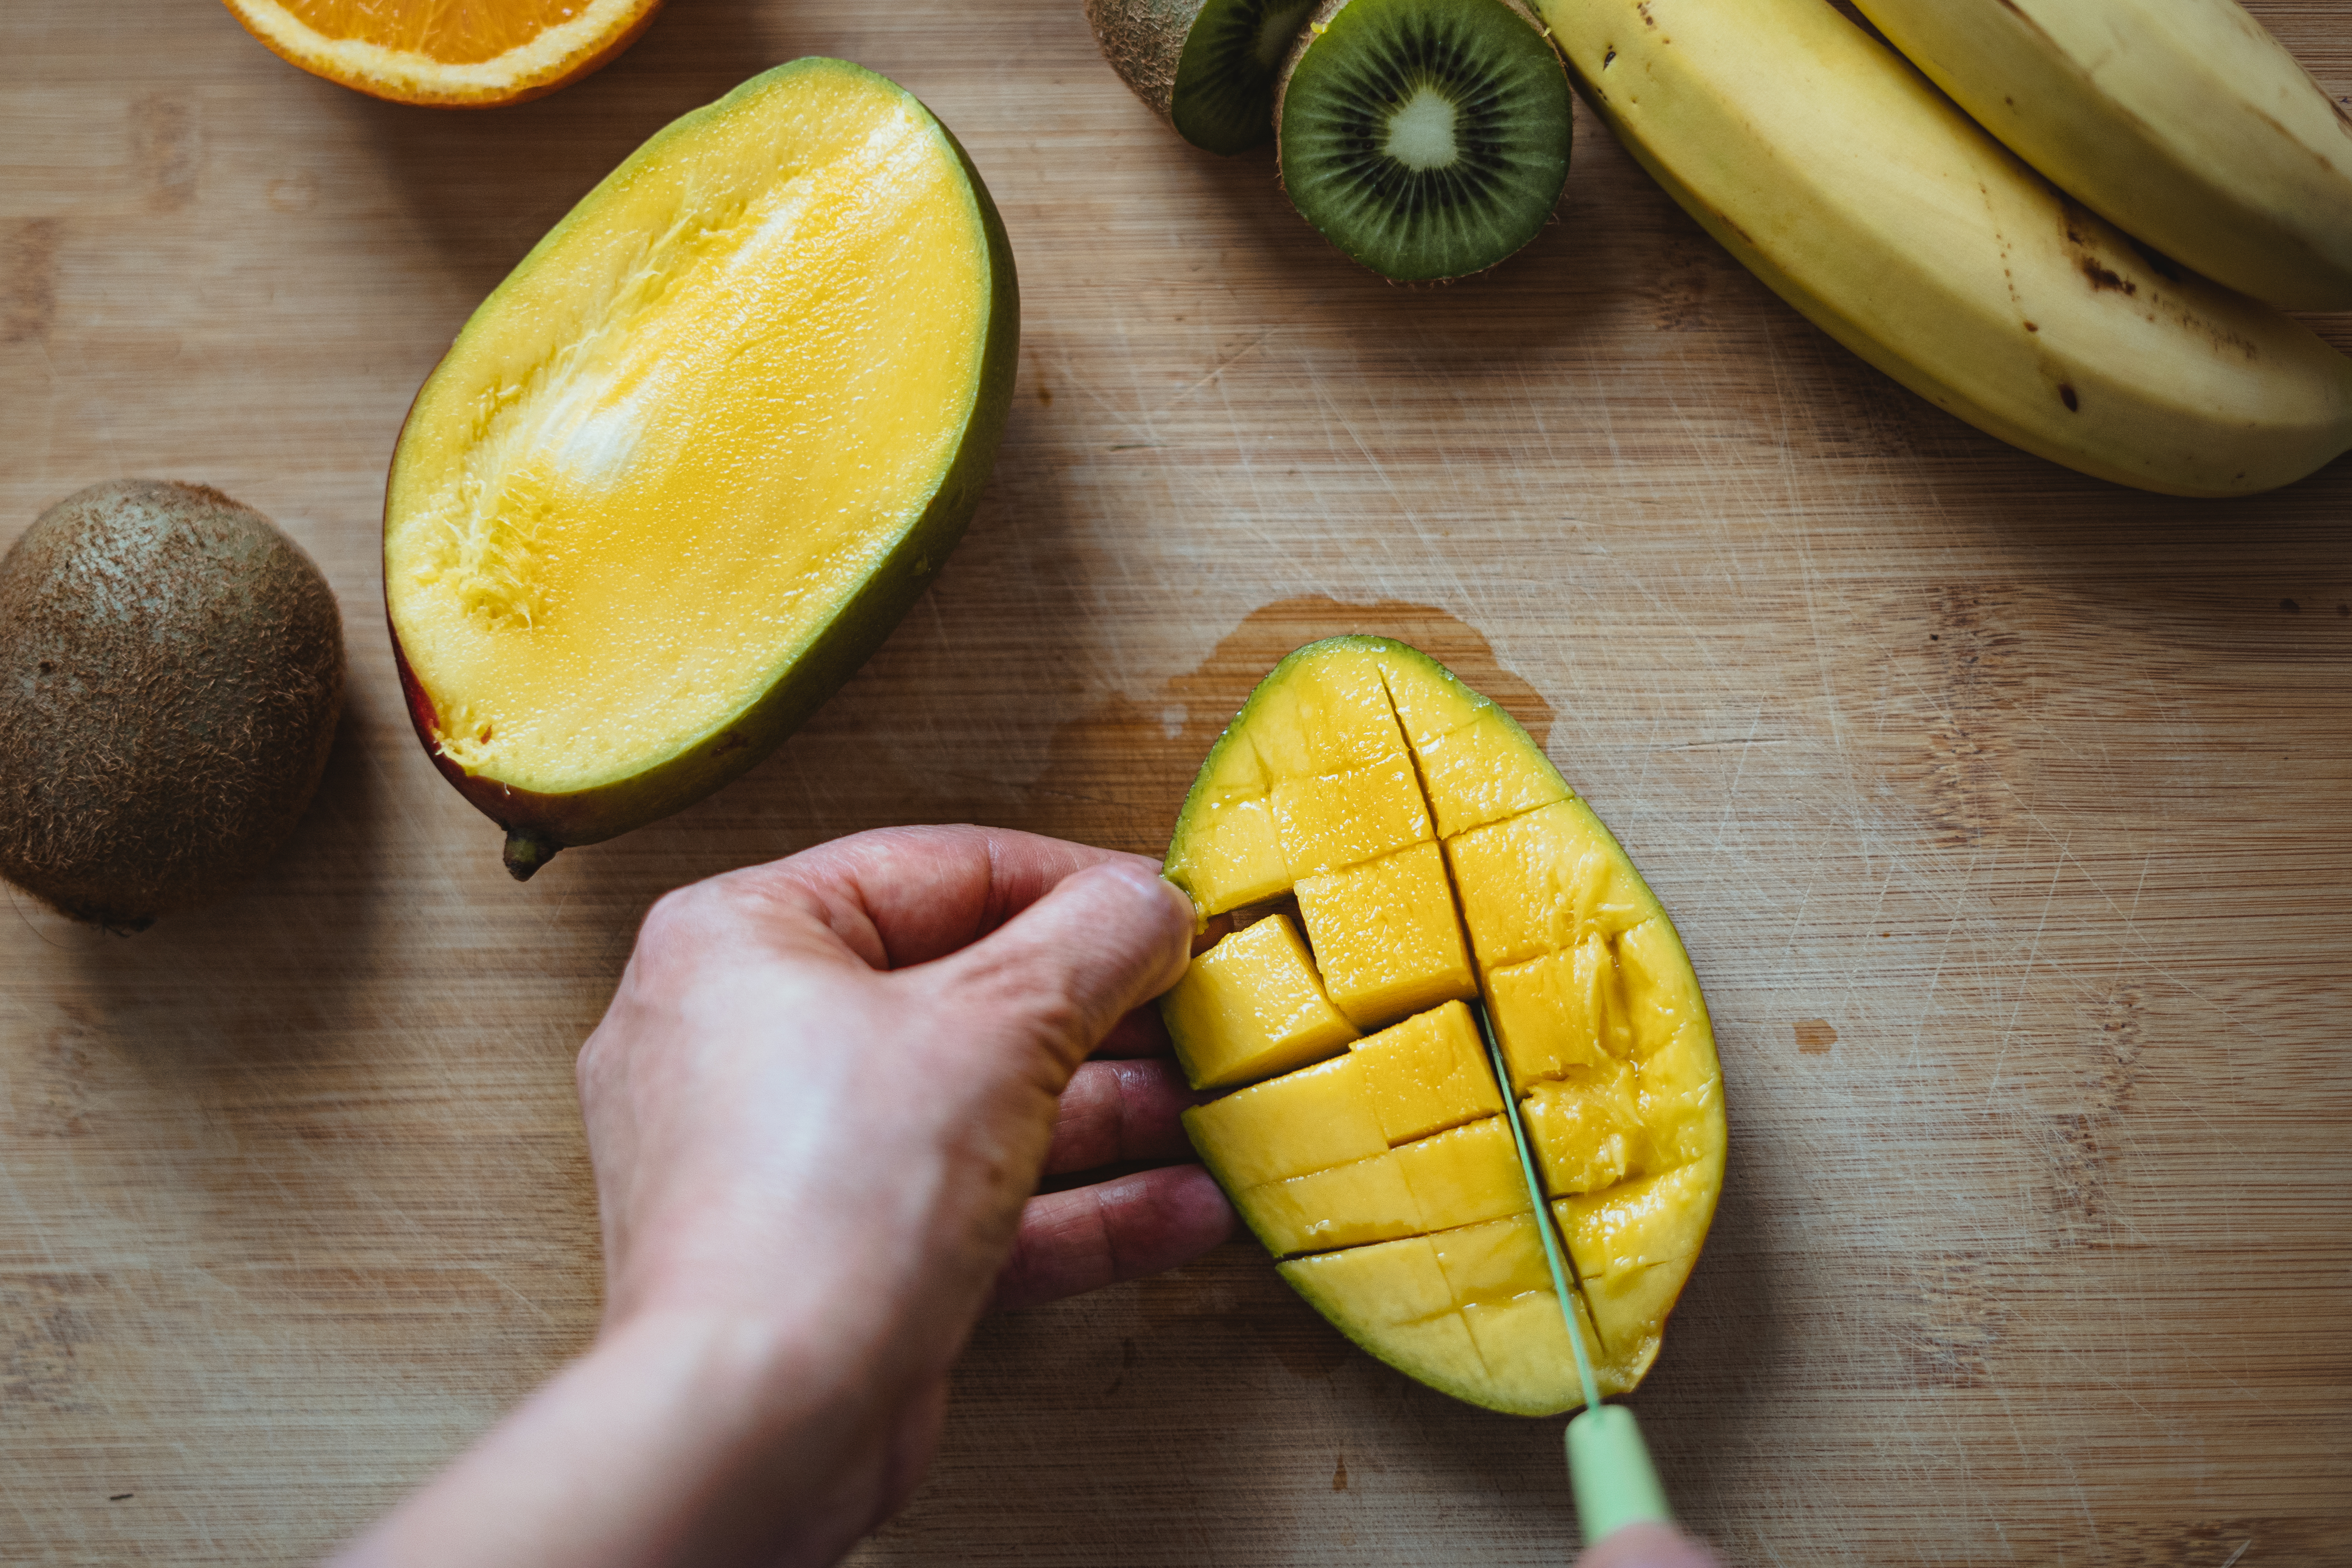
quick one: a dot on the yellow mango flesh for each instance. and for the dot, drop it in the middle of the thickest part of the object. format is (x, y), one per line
(1306, 1121)
(1251, 1005)
(1465, 1176)
(1381, 1171)
(1343, 1207)
(1385, 936)
(670, 449)
(1427, 1073)
(1469, 1312)
(1473, 779)
(1332, 821)
(1557, 1013)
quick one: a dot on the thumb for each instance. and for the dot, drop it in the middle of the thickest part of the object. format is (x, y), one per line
(1103, 942)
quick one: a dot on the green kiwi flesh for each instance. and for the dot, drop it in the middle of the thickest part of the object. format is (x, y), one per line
(1427, 138)
(171, 671)
(1225, 82)
(1207, 67)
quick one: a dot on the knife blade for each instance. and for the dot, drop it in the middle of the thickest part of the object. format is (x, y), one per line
(1608, 1466)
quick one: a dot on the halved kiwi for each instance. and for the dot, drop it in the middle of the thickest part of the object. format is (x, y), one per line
(1207, 67)
(1428, 139)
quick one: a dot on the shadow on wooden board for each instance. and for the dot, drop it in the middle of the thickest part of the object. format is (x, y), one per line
(487, 185)
(195, 1061)
(1537, 307)
(267, 973)
(1279, 1442)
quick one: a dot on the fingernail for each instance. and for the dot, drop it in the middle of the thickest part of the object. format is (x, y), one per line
(1152, 884)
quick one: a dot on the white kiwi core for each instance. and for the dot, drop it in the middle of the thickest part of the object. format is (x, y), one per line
(1421, 133)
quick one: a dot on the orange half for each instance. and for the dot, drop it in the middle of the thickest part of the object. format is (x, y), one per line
(458, 54)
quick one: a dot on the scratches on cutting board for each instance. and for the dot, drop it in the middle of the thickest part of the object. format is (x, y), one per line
(2084, 1144)
(52, 1080)
(45, 1321)
(1686, 271)
(28, 279)
(1973, 659)
(1242, 1320)
(1959, 1312)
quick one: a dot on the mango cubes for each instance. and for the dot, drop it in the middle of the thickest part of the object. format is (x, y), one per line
(1391, 846)
(1385, 935)
(1254, 1005)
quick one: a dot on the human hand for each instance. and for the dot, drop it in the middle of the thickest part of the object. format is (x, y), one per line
(817, 1109)
(787, 1034)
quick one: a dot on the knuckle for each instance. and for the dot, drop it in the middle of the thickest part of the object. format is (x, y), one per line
(669, 923)
(1034, 996)
(1090, 1120)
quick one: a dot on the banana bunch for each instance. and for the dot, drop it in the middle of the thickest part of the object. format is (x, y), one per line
(1841, 177)
(2180, 121)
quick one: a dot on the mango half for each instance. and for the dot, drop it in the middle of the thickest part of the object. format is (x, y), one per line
(685, 469)
(1386, 845)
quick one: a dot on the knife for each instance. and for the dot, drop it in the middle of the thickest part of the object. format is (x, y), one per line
(1608, 1466)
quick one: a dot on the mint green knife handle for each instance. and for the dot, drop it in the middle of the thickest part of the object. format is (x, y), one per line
(1608, 1466)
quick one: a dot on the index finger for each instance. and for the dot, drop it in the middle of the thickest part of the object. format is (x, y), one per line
(901, 896)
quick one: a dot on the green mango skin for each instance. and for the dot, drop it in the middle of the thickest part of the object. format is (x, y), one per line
(537, 825)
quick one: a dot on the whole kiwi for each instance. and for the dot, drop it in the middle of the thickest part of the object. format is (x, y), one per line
(171, 671)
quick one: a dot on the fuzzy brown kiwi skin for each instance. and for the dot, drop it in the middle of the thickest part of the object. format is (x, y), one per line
(1314, 30)
(1298, 45)
(172, 668)
(1144, 41)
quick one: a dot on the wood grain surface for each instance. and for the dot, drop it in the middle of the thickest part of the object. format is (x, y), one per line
(2007, 816)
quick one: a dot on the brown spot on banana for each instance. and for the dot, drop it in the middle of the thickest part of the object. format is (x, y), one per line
(2104, 276)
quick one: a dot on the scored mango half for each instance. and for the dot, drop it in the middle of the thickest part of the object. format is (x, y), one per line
(1388, 846)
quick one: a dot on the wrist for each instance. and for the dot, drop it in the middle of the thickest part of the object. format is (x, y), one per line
(701, 1437)
(766, 1437)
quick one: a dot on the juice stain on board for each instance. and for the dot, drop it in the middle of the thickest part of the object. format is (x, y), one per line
(1119, 773)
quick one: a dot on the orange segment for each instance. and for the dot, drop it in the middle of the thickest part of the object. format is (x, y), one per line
(455, 53)
(464, 34)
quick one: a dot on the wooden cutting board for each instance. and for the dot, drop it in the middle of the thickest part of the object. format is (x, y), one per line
(2008, 815)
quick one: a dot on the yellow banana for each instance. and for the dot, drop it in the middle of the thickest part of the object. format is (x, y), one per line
(1841, 177)
(2181, 121)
